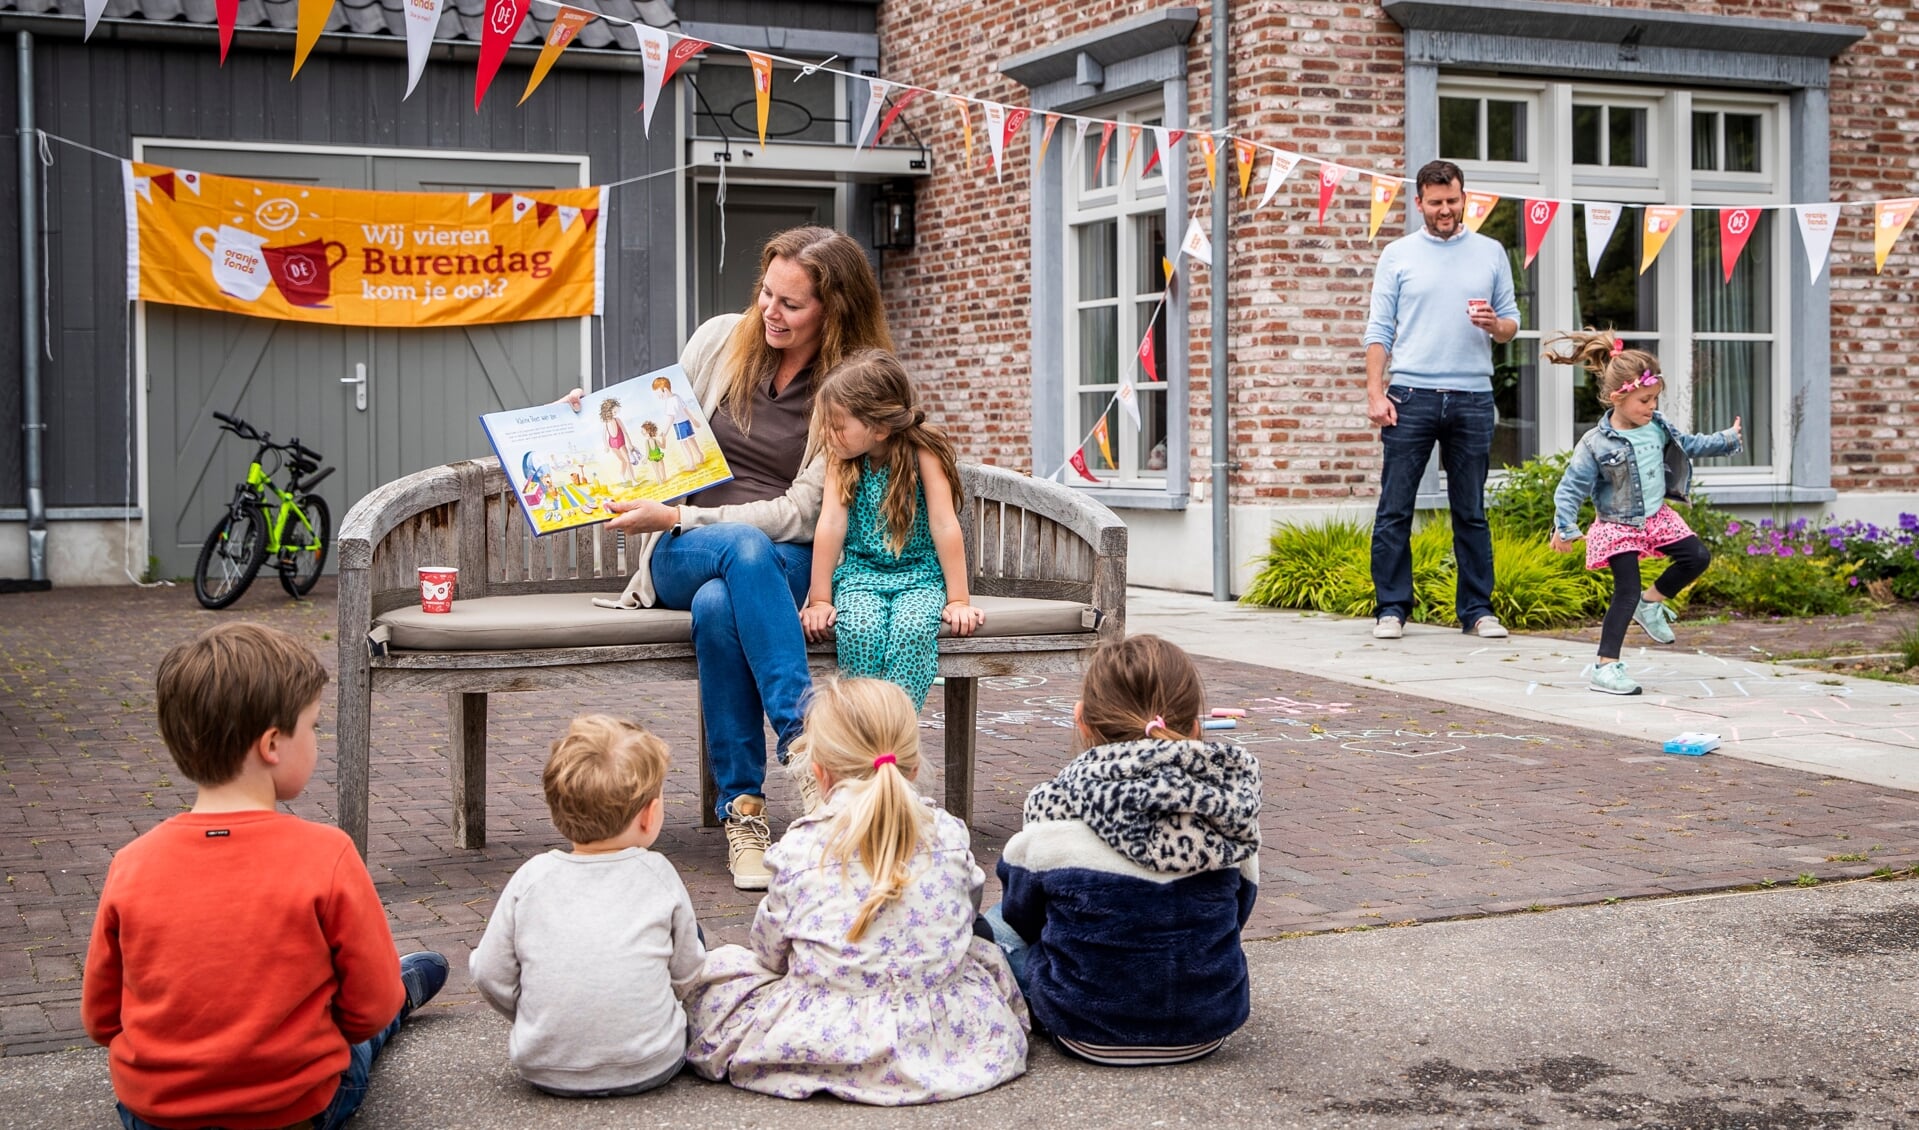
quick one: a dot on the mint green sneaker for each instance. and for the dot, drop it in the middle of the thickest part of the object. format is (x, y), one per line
(1611, 678)
(1656, 617)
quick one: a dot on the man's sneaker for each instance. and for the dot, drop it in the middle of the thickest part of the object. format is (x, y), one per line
(810, 798)
(747, 838)
(1656, 617)
(1388, 628)
(423, 974)
(1489, 628)
(1611, 678)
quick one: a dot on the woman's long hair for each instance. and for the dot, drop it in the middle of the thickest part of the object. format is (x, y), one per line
(871, 386)
(850, 723)
(851, 316)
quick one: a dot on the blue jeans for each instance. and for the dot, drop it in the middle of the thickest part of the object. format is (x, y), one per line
(1010, 944)
(1462, 424)
(744, 591)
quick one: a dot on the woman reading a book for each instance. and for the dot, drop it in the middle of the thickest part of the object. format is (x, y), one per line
(739, 555)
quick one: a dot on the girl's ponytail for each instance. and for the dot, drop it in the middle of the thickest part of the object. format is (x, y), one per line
(883, 825)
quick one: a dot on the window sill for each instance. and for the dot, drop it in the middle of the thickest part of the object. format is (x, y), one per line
(74, 513)
(1133, 498)
(1764, 494)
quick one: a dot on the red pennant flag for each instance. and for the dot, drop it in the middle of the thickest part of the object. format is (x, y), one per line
(1735, 228)
(1539, 217)
(1172, 138)
(683, 49)
(1146, 355)
(503, 20)
(164, 182)
(500, 198)
(589, 215)
(1079, 464)
(543, 212)
(1330, 177)
(228, 13)
(903, 96)
(1015, 117)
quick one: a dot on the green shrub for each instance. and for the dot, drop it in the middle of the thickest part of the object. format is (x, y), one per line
(1326, 567)
(1763, 584)
(1533, 587)
(1433, 570)
(1521, 504)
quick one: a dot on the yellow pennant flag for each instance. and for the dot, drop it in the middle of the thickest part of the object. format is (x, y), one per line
(566, 24)
(1167, 266)
(1046, 139)
(762, 88)
(1212, 160)
(1888, 220)
(1660, 223)
(308, 24)
(1246, 155)
(966, 123)
(1385, 191)
(1479, 205)
(1105, 444)
(1126, 162)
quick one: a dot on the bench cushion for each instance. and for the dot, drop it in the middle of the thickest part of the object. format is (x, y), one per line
(513, 623)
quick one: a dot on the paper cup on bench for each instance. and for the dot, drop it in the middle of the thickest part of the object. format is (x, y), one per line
(436, 587)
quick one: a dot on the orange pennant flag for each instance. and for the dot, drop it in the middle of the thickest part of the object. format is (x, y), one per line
(1660, 223)
(1385, 191)
(308, 24)
(566, 24)
(1246, 154)
(1046, 138)
(1132, 140)
(1166, 265)
(762, 88)
(1479, 205)
(1105, 442)
(1212, 161)
(966, 123)
(1105, 139)
(1889, 218)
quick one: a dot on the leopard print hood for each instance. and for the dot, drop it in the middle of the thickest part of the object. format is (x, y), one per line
(1169, 806)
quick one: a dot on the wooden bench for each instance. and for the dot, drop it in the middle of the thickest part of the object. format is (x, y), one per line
(1028, 541)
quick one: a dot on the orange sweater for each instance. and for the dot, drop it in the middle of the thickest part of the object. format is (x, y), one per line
(235, 957)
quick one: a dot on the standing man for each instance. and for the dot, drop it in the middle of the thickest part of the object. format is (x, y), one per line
(1441, 297)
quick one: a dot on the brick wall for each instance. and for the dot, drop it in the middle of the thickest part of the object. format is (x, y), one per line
(1327, 79)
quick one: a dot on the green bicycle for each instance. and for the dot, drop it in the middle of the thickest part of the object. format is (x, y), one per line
(297, 535)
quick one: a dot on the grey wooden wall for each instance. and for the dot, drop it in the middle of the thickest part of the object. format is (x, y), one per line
(108, 93)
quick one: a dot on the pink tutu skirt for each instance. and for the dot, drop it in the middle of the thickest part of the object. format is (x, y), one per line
(1606, 539)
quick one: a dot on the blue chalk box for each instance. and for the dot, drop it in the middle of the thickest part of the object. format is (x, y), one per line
(1692, 744)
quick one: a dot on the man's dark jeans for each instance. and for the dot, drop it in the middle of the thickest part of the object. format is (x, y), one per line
(1462, 424)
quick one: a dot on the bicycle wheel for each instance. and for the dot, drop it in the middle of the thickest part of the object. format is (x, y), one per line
(303, 545)
(231, 557)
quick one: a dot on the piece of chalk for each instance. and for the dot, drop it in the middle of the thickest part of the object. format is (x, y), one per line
(1219, 724)
(1228, 712)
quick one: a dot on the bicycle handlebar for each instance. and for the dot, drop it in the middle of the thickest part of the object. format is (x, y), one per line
(247, 431)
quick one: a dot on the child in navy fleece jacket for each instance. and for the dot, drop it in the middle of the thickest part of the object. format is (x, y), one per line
(1126, 889)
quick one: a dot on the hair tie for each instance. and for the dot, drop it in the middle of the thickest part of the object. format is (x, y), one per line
(886, 759)
(1159, 721)
(1618, 346)
(919, 416)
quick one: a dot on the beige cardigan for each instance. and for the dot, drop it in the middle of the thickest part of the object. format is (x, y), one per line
(789, 517)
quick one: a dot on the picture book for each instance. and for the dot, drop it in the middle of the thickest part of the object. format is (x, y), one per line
(644, 437)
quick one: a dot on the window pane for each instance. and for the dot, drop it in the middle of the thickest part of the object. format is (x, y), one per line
(1586, 134)
(1090, 404)
(1149, 253)
(1618, 297)
(1705, 141)
(1459, 128)
(1505, 131)
(1154, 313)
(1516, 364)
(1099, 260)
(1744, 305)
(1095, 173)
(1742, 143)
(1150, 447)
(1734, 378)
(1502, 224)
(1098, 347)
(1627, 136)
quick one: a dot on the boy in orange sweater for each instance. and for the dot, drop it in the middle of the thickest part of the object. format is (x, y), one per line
(241, 973)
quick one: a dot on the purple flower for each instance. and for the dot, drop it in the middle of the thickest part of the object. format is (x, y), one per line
(1852, 582)
(1754, 551)
(1733, 527)
(1783, 551)
(1838, 543)
(1909, 521)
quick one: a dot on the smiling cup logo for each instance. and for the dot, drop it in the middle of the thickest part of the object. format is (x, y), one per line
(278, 214)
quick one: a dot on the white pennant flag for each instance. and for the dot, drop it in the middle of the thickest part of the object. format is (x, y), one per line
(422, 22)
(473, 198)
(1129, 400)
(875, 99)
(1601, 219)
(1281, 167)
(1196, 244)
(522, 207)
(94, 10)
(996, 136)
(653, 50)
(568, 213)
(1079, 140)
(144, 186)
(1817, 222)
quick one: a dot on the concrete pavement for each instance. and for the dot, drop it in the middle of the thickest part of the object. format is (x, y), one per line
(1859, 729)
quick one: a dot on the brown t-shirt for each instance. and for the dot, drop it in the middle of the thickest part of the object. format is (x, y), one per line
(766, 461)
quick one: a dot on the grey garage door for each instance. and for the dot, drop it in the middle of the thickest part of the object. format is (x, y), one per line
(424, 388)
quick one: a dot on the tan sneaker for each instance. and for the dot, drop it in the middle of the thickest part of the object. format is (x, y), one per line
(747, 838)
(810, 798)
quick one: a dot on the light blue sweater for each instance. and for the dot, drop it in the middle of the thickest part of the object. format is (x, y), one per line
(1419, 314)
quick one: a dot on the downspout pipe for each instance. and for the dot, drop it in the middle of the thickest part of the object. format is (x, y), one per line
(1222, 431)
(33, 427)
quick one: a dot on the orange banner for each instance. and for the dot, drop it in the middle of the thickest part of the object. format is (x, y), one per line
(354, 258)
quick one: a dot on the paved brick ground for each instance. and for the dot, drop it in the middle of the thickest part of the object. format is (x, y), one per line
(1380, 808)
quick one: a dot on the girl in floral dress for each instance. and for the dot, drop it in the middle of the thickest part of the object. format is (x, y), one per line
(892, 503)
(1629, 464)
(863, 977)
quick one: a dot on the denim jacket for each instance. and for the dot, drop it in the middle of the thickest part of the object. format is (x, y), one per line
(1603, 466)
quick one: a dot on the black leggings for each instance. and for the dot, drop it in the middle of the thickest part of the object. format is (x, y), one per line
(1689, 559)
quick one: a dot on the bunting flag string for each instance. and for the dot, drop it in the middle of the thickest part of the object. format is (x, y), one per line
(1735, 228)
(1105, 442)
(1539, 219)
(1817, 222)
(1385, 189)
(1601, 219)
(503, 20)
(1479, 205)
(1277, 170)
(566, 24)
(1330, 178)
(1099, 162)
(966, 123)
(1659, 224)
(1046, 138)
(875, 98)
(900, 103)
(1132, 143)
(1889, 218)
(762, 88)
(422, 21)
(1245, 159)
(1206, 149)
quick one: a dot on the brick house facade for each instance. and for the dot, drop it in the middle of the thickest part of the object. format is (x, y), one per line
(1002, 308)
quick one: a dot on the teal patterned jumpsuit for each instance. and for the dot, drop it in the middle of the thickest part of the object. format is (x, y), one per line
(889, 606)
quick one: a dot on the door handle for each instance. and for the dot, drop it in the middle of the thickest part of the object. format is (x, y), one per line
(358, 381)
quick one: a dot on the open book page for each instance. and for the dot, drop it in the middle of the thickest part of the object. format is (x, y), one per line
(644, 437)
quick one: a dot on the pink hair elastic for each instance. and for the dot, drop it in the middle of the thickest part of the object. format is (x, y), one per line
(1157, 721)
(1618, 346)
(1646, 379)
(886, 759)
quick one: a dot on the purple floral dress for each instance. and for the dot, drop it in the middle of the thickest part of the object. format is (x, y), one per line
(916, 1011)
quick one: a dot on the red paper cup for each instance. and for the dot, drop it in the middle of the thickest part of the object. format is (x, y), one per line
(436, 587)
(1473, 304)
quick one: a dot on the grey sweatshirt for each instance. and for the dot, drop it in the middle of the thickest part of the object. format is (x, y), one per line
(589, 956)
